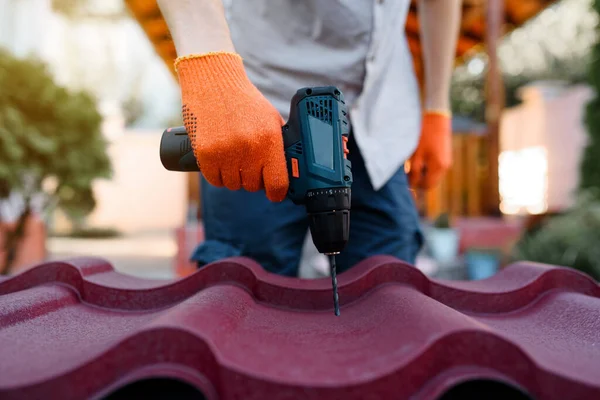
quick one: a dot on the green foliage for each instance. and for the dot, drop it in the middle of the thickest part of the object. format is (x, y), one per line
(590, 165)
(48, 133)
(68, 8)
(443, 221)
(468, 91)
(82, 9)
(467, 97)
(77, 204)
(572, 239)
(133, 109)
(92, 233)
(569, 240)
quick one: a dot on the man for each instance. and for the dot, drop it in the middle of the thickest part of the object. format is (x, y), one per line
(238, 72)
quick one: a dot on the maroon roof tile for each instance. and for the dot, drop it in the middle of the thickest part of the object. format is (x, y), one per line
(79, 329)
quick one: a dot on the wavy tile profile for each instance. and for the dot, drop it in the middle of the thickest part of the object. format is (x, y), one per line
(78, 329)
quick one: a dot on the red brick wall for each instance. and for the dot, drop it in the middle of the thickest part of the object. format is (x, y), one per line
(32, 249)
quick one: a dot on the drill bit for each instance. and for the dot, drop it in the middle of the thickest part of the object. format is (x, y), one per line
(336, 301)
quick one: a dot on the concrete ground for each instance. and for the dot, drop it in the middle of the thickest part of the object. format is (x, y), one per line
(149, 255)
(152, 255)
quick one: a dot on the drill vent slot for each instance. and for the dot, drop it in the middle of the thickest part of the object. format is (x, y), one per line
(320, 108)
(185, 146)
(298, 148)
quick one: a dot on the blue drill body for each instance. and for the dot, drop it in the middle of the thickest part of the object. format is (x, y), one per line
(314, 142)
(320, 175)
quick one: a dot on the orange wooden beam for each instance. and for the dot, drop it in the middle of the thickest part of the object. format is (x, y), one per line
(494, 101)
(412, 23)
(473, 25)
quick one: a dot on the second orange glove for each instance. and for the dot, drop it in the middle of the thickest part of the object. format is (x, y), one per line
(234, 130)
(433, 155)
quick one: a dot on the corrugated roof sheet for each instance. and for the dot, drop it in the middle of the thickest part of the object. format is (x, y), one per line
(78, 329)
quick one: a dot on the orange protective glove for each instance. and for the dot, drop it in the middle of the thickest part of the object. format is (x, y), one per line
(433, 155)
(234, 130)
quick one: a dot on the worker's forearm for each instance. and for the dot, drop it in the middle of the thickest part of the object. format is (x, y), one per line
(197, 26)
(439, 22)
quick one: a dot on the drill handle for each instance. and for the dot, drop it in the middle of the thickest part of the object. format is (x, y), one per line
(176, 153)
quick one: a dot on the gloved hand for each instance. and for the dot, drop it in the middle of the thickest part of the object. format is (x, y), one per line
(433, 155)
(234, 131)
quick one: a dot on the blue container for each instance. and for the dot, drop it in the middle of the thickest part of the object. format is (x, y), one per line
(481, 264)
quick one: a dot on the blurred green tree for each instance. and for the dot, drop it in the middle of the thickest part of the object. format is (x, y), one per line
(68, 8)
(590, 164)
(86, 9)
(554, 45)
(569, 240)
(50, 144)
(468, 95)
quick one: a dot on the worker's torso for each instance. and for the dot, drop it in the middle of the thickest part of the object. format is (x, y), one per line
(289, 44)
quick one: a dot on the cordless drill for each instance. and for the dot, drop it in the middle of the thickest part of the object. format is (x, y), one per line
(315, 143)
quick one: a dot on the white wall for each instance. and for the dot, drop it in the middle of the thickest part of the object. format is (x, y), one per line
(550, 117)
(23, 24)
(113, 59)
(143, 195)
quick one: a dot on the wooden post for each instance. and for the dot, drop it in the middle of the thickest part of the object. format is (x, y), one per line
(494, 101)
(194, 197)
(472, 174)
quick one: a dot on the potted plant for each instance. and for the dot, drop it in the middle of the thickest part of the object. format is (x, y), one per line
(482, 262)
(443, 240)
(51, 150)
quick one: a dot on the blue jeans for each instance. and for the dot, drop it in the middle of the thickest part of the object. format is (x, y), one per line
(240, 223)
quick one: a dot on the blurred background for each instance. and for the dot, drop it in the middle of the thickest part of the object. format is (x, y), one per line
(87, 87)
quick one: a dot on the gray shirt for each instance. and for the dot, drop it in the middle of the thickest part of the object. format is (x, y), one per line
(356, 45)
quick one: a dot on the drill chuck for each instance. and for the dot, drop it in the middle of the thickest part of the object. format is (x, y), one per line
(329, 218)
